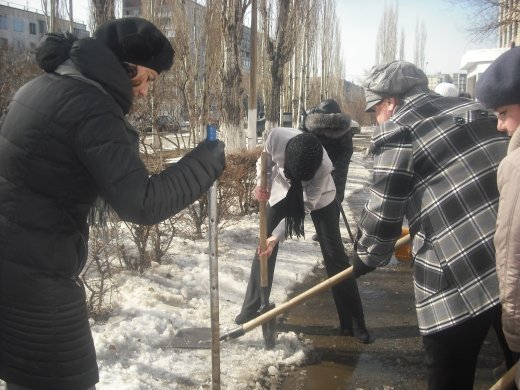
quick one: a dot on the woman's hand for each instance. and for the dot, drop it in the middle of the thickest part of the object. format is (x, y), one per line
(271, 243)
(262, 194)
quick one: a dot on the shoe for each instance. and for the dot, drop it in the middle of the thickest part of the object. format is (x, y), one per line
(360, 329)
(360, 334)
(246, 316)
(315, 237)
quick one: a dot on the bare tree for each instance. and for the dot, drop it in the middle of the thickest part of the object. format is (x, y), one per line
(231, 23)
(491, 16)
(420, 44)
(401, 44)
(16, 68)
(101, 11)
(55, 12)
(386, 45)
(296, 70)
(279, 48)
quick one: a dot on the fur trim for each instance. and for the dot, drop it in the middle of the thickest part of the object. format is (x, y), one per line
(328, 125)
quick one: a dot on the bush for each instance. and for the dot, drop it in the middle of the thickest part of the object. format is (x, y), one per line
(110, 253)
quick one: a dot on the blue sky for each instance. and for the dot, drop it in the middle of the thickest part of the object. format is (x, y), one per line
(446, 28)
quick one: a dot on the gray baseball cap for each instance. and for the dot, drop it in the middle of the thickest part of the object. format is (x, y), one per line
(391, 79)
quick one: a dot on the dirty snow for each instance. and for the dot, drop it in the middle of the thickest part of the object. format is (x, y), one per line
(134, 346)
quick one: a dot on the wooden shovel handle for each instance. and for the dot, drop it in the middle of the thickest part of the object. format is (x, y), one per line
(507, 381)
(304, 296)
(263, 222)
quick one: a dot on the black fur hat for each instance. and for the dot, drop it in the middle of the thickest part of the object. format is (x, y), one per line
(137, 41)
(326, 120)
(499, 85)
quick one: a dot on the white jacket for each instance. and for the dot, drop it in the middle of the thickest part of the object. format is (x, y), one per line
(317, 192)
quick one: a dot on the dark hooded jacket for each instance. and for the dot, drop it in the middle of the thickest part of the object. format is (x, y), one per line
(333, 130)
(64, 141)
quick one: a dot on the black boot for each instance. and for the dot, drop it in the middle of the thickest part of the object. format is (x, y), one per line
(360, 330)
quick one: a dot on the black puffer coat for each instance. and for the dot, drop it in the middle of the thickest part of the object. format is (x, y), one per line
(333, 130)
(63, 142)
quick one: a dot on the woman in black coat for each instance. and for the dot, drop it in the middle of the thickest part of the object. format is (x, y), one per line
(332, 128)
(64, 142)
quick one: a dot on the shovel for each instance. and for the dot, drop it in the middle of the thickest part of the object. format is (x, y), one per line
(507, 381)
(203, 340)
(269, 327)
(298, 299)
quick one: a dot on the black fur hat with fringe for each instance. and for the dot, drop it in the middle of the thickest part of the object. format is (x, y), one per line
(326, 120)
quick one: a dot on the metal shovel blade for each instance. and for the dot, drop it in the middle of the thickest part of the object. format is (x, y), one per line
(193, 338)
(269, 328)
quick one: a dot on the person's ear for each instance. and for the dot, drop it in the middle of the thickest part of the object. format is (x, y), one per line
(392, 103)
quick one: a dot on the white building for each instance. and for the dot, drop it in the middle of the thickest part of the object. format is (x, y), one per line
(475, 62)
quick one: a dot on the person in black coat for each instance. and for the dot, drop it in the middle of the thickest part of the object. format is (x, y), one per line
(64, 142)
(332, 128)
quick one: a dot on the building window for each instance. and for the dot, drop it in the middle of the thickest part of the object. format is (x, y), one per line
(41, 27)
(32, 28)
(3, 22)
(18, 25)
(3, 43)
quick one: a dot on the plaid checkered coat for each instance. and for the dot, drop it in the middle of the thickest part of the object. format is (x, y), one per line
(435, 164)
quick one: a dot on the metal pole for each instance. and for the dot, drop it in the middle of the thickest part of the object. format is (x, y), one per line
(213, 276)
(71, 18)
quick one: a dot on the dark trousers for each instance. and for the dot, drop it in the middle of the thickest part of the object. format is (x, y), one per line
(345, 294)
(510, 357)
(451, 354)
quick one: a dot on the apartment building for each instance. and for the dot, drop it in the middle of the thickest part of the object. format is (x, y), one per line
(21, 28)
(458, 79)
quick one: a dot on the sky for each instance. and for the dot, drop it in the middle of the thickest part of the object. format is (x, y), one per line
(446, 28)
(446, 25)
(80, 8)
(134, 345)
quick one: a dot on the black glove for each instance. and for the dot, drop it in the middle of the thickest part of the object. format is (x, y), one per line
(360, 268)
(216, 148)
